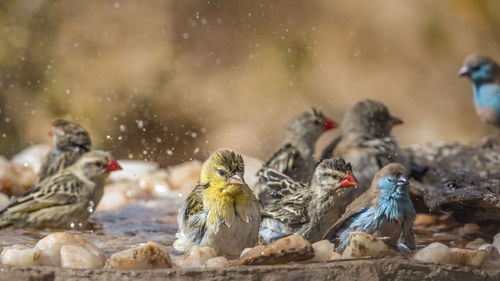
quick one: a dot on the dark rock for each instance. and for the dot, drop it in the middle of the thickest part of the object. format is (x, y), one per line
(462, 179)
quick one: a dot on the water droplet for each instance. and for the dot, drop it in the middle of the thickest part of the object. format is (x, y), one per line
(185, 35)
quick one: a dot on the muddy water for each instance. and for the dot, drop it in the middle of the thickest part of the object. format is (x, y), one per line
(141, 221)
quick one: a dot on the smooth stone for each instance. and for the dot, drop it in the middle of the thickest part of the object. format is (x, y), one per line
(73, 256)
(322, 250)
(475, 244)
(288, 249)
(362, 244)
(32, 156)
(435, 253)
(466, 257)
(199, 256)
(184, 176)
(443, 236)
(20, 255)
(496, 241)
(151, 255)
(335, 256)
(424, 219)
(50, 247)
(468, 228)
(217, 262)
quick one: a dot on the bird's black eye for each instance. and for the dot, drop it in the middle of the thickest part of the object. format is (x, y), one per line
(335, 176)
(221, 172)
(99, 164)
(316, 121)
(476, 68)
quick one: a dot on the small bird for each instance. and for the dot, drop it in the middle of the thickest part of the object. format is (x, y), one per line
(366, 141)
(385, 210)
(308, 210)
(71, 194)
(295, 158)
(484, 73)
(221, 212)
(69, 142)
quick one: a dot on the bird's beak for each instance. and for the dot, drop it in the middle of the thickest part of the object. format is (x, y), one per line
(236, 179)
(464, 71)
(395, 121)
(51, 133)
(329, 124)
(402, 180)
(112, 165)
(349, 180)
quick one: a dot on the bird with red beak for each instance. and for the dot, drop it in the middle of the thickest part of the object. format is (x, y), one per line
(307, 210)
(69, 195)
(295, 157)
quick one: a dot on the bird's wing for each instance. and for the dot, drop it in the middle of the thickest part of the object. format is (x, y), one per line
(366, 200)
(275, 185)
(292, 209)
(284, 159)
(328, 150)
(194, 202)
(61, 189)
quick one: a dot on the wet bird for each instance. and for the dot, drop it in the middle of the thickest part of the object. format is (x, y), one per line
(385, 210)
(69, 142)
(308, 210)
(295, 158)
(366, 141)
(221, 212)
(484, 73)
(68, 195)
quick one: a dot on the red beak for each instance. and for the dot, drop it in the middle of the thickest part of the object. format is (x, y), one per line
(329, 124)
(112, 165)
(349, 180)
(51, 133)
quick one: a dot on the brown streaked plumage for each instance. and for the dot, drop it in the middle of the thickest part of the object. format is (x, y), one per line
(70, 141)
(70, 194)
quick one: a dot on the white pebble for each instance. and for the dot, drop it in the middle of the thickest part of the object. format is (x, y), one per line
(73, 256)
(435, 253)
(19, 255)
(217, 262)
(468, 228)
(51, 245)
(322, 250)
(475, 244)
(199, 256)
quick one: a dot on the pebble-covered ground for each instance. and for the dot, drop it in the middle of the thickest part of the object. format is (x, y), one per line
(135, 224)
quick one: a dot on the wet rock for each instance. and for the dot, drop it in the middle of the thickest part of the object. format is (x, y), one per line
(73, 256)
(156, 184)
(284, 250)
(51, 245)
(461, 179)
(424, 220)
(322, 250)
(4, 200)
(199, 256)
(151, 255)
(435, 253)
(468, 228)
(490, 250)
(19, 255)
(475, 244)
(444, 236)
(117, 195)
(183, 177)
(335, 256)
(465, 257)
(440, 253)
(15, 178)
(32, 156)
(362, 245)
(217, 262)
(496, 241)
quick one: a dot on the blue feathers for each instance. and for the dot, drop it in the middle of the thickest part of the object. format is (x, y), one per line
(484, 73)
(385, 210)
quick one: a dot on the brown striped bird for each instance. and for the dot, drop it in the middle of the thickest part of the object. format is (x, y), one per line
(68, 195)
(69, 142)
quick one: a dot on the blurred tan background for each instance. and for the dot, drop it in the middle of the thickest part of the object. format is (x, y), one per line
(174, 80)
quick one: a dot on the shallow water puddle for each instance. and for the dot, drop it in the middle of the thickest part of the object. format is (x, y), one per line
(141, 221)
